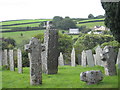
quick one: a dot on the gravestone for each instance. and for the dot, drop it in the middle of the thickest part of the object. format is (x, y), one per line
(5, 57)
(118, 59)
(94, 55)
(0, 57)
(108, 57)
(11, 60)
(19, 57)
(73, 57)
(98, 50)
(61, 60)
(90, 59)
(44, 62)
(84, 58)
(51, 51)
(34, 48)
(79, 59)
(91, 77)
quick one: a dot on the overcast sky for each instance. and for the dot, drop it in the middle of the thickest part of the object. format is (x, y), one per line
(35, 9)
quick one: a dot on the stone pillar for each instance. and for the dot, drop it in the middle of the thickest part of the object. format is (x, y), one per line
(19, 57)
(84, 58)
(11, 60)
(73, 57)
(108, 57)
(61, 60)
(79, 59)
(51, 51)
(34, 48)
(98, 60)
(94, 55)
(5, 57)
(0, 57)
(118, 59)
(90, 58)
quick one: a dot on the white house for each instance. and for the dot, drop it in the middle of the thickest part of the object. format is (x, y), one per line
(74, 31)
(102, 28)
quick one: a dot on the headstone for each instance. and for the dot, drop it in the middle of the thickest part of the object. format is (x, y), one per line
(5, 57)
(11, 60)
(19, 56)
(91, 77)
(73, 57)
(61, 60)
(34, 48)
(109, 60)
(0, 57)
(94, 55)
(98, 60)
(51, 51)
(79, 59)
(118, 59)
(44, 62)
(84, 58)
(90, 58)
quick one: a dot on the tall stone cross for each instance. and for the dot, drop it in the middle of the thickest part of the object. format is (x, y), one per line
(34, 48)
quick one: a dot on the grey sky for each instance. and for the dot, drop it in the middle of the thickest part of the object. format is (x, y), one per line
(34, 9)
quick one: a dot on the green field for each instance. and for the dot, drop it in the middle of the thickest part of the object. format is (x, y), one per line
(91, 20)
(17, 35)
(67, 77)
(92, 24)
(24, 21)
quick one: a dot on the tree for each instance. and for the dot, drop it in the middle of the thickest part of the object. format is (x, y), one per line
(89, 41)
(112, 19)
(67, 23)
(63, 23)
(100, 16)
(8, 43)
(56, 21)
(90, 16)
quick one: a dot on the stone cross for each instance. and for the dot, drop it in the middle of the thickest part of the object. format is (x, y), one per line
(11, 60)
(90, 58)
(118, 59)
(73, 57)
(61, 60)
(34, 48)
(109, 60)
(19, 57)
(84, 58)
(51, 51)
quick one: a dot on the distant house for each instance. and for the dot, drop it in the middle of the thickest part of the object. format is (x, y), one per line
(102, 28)
(74, 31)
(98, 29)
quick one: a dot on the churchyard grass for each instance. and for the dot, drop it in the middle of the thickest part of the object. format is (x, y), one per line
(67, 77)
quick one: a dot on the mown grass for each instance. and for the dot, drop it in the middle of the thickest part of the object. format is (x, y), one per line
(67, 77)
(91, 25)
